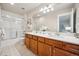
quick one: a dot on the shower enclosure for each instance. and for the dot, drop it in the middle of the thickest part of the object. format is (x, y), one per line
(11, 27)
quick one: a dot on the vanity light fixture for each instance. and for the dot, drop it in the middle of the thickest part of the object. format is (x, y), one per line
(45, 8)
(44, 11)
(49, 6)
(41, 9)
(48, 10)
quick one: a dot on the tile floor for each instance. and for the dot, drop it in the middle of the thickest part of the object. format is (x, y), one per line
(16, 49)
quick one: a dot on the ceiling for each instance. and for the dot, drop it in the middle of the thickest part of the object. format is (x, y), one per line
(19, 8)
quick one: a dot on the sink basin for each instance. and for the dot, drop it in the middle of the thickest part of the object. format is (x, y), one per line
(61, 36)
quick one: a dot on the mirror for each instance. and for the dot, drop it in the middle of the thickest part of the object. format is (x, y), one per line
(65, 22)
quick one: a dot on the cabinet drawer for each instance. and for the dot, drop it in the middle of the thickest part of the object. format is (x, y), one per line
(26, 35)
(49, 41)
(29, 36)
(60, 52)
(54, 43)
(71, 48)
(41, 39)
(58, 44)
(34, 37)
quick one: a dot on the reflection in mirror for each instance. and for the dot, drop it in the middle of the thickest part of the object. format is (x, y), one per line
(65, 23)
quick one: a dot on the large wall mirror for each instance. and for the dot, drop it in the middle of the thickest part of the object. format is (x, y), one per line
(65, 22)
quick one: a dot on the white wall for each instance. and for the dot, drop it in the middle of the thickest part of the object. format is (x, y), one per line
(0, 11)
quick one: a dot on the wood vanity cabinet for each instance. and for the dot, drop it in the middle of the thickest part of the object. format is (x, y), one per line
(44, 49)
(33, 46)
(27, 42)
(41, 49)
(43, 46)
(71, 48)
(54, 43)
(60, 52)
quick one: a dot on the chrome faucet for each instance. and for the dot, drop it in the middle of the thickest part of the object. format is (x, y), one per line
(76, 35)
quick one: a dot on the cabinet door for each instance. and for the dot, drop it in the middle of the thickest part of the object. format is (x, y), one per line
(72, 48)
(44, 49)
(60, 52)
(33, 46)
(27, 42)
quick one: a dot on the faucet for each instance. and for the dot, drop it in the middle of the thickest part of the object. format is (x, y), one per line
(76, 35)
(57, 34)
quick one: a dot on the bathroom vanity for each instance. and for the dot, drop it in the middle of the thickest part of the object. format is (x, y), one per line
(44, 45)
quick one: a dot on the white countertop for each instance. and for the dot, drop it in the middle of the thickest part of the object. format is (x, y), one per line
(68, 39)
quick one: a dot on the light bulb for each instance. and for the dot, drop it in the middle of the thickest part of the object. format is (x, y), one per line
(48, 10)
(41, 9)
(50, 6)
(44, 11)
(45, 8)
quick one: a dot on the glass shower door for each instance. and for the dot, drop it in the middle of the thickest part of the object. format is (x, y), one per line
(12, 28)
